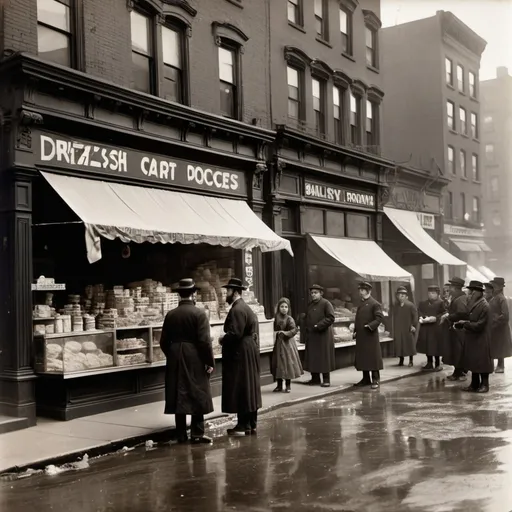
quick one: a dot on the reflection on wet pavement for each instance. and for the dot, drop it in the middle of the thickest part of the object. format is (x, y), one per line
(417, 445)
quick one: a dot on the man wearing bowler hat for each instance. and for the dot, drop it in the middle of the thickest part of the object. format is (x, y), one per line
(366, 333)
(405, 323)
(488, 292)
(501, 340)
(429, 337)
(241, 388)
(187, 345)
(319, 357)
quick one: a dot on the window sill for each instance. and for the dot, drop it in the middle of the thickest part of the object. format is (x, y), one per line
(236, 2)
(462, 93)
(476, 140)
(454, 132)
(373, 68)
(298, 27)
(464, 178)
(477, 182)
(450, 86)
(476, 100)
(465, 136)
(347, 56)
(324, 42)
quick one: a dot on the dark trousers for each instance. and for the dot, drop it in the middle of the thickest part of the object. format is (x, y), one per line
(430, 360)
(196, 425)
(315, 377)
(459, 372)
(375, 376)
(501, 363)
(247, 420)
(479, 379)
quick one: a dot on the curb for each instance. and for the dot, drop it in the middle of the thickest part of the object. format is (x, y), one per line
(167, 434)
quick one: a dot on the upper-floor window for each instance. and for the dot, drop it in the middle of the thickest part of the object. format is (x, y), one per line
(463, 205)
(321, 19)
(489, 153)
(371, 47)
(346, 31)
(450, 111)
(496, 218)
(295, 12)
(474, 125)
(462, 163)
(172, 55)
(460, 78)
(295, 109)
(449, 205)
(143, 61)
(228, 75)
(463, 121)
(475, 168)
(337, 101)
(472, 85)
(451, 160)
(355, 109)
(371, 124)
(319, 105)
(54, 34)
(449, 70)
(488, 124)
(476, 210)
(494, 183)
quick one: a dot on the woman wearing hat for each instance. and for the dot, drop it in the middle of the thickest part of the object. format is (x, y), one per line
(501, 340)
(405, 323)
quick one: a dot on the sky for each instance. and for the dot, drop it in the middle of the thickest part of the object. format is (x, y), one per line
(490, 19)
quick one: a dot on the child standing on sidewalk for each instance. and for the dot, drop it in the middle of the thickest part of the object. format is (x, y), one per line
(286, 363)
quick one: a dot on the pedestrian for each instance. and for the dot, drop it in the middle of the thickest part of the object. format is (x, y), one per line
(405, 323)
(475, 326)
(366, 333)
(501, 340)
(489, 290)
(319, 357)
(187, 345)
(454, 348)
(241, 388)
(429, 337)
(446, 298)
(286, 363)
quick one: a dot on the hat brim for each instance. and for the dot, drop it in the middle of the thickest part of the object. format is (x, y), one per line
(190, 289)
(476, 288)
(234, 287)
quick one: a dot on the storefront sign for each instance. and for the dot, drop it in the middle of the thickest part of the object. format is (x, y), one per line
(248, 270)
(338, 195)
(87, 157)
(427, 220)
(450, 229)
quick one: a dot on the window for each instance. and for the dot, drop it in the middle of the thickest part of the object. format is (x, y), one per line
(371, 132)
(449, 71)
(449, 205)
(474, 167)
(463, 122)
(143, 64)
(295, 12)
(334, 223)
(337, 101)
(354, 119)
(451, 160)
(450, 110)
(172, 55)
(495, 186)
(371, 47)
(462, 163)
(474, 125)
(488, 124)
(358, 226)
(463, 205)
(460, 78)
(346, 31)
(319, 105)
(228, 82)
(476, 210)
(489, 153)
(295, 109)
(54, 31)
(313, 221)
(289, 220)
(496, 218)
(321, 19)
(472, 85)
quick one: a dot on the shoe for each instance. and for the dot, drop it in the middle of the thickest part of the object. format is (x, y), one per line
(325, 385)
(362, 383)
(279, 389)
(410, 365)
(428, 366)
(253, 432)
(239, 432)
(376, 385)
(463, 378)
(201, 440)
(312, 383)
(469, 389)
(483, 389)
(287, 390)
(499, 369)
(453, 377)
(438, 368)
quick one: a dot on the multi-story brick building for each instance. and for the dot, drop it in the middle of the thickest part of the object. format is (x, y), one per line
(496, 97)
(432, 117)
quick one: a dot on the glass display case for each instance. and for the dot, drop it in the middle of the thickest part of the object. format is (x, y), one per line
(158, 355)
(132, 346)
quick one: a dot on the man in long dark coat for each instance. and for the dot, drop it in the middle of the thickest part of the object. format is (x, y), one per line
(429, 337)
(476, 327)
(454, 348)
(501, 340)
(366, 333)
(405, 323)
(241, 388)
(319, 357)
(187, 345)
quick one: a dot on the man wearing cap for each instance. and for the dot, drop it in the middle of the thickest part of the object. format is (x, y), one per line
(429, 337)
(475, 324)
(501, 340)
(455, 338)
(366, 333)
(241, 388)
(405, 323)
(187, 345)
(319, 357)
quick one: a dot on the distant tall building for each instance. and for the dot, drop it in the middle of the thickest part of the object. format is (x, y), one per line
(431, 117)
(496, 100)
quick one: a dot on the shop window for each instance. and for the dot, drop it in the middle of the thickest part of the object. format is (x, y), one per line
(462, 163)
(346, 31)
(322, 19)
(476, 210)
(472, 85)
(355, 112)
(288, 220)
(319, 105)
(313, 221)
(451, 160)
(460, 78)
(295, 91)
(475, 167)
(334, 223)
(295, 12)
(463, 121)
(143, 62)
(228, 74)
(173, 59)
(449, 70)
(358, 226)
(474, 125)
(450, 111)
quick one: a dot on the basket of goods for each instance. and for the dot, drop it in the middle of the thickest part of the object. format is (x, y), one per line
(342, 334)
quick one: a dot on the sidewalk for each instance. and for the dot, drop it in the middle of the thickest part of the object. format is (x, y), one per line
(53, 441)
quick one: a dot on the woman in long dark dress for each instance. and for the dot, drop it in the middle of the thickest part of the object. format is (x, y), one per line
(286, 363)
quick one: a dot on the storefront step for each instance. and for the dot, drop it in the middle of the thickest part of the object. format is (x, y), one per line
(10, 424)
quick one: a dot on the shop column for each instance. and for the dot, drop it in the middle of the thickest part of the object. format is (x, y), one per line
(17, 379)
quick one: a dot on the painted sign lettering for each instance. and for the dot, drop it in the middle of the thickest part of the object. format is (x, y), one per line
(339, 195)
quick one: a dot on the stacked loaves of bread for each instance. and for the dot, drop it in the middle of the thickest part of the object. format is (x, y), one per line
(76, 356)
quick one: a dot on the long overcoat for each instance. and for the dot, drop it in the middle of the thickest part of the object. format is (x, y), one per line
(501, 340)
(368, 351)
(187, 345)
(319, 356)
(404, 317)
(285, 356)
(454, 338)
(429, 337)
(241, 388)
(477, 344)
